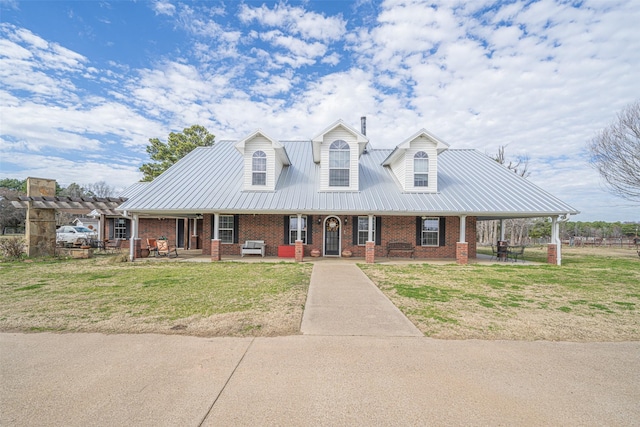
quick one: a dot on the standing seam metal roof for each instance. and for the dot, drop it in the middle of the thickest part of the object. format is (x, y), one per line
(210, 179)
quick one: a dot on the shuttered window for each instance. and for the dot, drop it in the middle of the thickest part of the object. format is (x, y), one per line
(226, 229)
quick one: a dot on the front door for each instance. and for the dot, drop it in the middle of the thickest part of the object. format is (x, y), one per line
(332, 236)
(180, 233)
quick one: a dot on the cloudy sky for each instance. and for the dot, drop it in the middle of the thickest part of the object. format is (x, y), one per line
(85, 84)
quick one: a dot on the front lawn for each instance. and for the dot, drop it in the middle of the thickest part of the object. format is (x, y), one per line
(205, 299)
(593, 296)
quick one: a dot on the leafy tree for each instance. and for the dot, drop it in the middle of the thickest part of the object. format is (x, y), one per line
(14, 184)
(615, 152)
(178, 145)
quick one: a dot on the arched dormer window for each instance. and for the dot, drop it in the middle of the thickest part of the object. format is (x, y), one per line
(421, 169)
(259, 168)
(339, 160)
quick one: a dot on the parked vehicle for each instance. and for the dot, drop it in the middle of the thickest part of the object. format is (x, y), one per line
(75, 235)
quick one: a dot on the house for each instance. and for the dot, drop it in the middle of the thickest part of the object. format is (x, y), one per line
(334, 193)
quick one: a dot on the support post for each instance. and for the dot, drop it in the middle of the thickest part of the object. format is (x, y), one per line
(40, 230)
(462, 247)
(370, 254)
(553, 249)
(215, 242)
(215, 250)
(299, 251)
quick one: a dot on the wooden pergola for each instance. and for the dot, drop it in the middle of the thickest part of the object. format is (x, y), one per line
(41, 204)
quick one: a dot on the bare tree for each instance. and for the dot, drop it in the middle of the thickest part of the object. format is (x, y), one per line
(615, 153)
(516, 229)
(100, 189)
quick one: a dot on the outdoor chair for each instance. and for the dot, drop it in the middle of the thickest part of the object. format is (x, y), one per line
(494, 252)
(113, 246)
(152, 245)
(514, 252)
(165, 249)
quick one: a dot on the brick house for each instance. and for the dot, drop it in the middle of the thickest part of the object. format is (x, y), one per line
(332, 194)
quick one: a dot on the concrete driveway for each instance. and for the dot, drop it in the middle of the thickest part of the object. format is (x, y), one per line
(158, 380)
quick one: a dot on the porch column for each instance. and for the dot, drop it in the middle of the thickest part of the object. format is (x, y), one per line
(299, 249)
(215, 242)
(462, 247)
(502, 229)
(193, 241)
(40, 224)
(134, 243)
(553, 249)
(463, 229)
(370, 245)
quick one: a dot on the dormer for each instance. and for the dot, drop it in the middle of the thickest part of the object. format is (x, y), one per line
(338, 149)
(414, 162)
(264, 158)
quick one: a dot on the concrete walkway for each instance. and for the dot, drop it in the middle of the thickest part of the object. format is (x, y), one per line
(360, 362)
(163, 380)
(343, 301)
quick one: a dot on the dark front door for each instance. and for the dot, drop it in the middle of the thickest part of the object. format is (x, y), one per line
(332, 236)
(180, 233)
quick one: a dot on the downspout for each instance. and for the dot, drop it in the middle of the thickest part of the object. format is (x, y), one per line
(134, 236)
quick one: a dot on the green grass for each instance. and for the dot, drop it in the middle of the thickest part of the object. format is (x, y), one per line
(72, 294)
(590, 297)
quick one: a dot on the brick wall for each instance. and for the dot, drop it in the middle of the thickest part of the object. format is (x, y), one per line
(270, 228)
(152, 228)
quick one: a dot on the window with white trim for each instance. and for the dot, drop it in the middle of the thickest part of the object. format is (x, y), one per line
(259, 168)
(120, 228)
(339, 164)
(363, 230)
(421, 169)
(293, 229)
(225, 228)
(430, 231)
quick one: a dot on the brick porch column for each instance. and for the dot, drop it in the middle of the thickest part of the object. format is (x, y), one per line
(299, 251)
(215, 250)
(552, 253)
(370, 252)
(137, 248)
(462, 253)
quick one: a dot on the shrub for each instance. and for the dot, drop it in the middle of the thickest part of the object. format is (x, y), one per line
(12, 248)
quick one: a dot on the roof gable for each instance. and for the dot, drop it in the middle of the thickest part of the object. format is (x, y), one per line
(406, 144)
(281, 152)
(318, 139)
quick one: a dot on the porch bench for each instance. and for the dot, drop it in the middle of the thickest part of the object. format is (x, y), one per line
(253, 247)
(404, 247)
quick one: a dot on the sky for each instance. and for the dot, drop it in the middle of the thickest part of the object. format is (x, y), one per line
(85, 84)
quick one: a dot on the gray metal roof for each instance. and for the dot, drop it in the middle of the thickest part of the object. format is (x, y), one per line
(210, 179)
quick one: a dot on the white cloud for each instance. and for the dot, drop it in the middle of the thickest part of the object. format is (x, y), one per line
(539, 77)
(295, 20)
(164, 8)
(66, 171)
